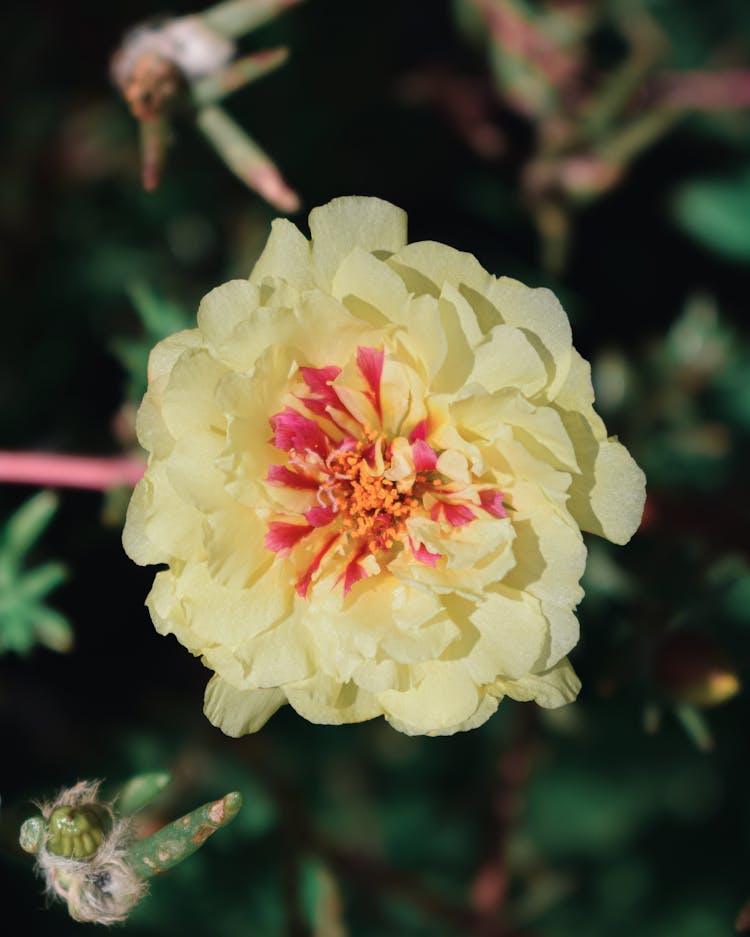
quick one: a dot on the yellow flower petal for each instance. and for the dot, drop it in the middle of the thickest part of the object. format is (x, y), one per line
(607, 498)
(438, 705)
(223, 309)
(354, 221)
(550, 689)
(287, 255)
(510, 638)
(426, 266)
(370, 289)
(327, 701)
(157, 535)
(239, 712)
(539, 313)
(508, 359)
(164, 355)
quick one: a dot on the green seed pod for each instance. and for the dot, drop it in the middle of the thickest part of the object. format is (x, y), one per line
(76, 832)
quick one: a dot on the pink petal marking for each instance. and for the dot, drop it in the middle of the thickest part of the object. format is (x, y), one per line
(425, 457)
(281, 475)
(294, 431)
(319, 381)
(325, 401)
(303, 583)
(324, 396)
(315, 405)
(458, 515)
(422, 554)
(492, 502)
(370, 364)
(319, 516)
(354, 571)
(283, 537)
(419, 431)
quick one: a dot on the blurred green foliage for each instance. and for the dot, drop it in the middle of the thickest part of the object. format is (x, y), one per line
(603, 818)
(158, 317)
(715, 213)
(25, 618)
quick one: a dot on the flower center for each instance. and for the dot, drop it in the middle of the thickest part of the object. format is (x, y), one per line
(369, 504)
(350, 495)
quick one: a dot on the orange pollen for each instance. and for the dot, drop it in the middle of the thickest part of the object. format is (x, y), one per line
(370, 505)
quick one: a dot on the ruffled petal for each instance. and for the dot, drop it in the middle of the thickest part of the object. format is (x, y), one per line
(328, 701)
(160, 526)
(550, 689)
(607, 498)
(370, 289)
(239, 712)
(354, 221)
(439, 704)
(287, 255)
(539, 313)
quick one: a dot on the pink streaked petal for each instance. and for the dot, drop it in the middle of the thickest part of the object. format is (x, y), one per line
(419, 431)
(422, 554)
(458, 515)
(294, 431)
(319, 516)
(370, 364)
(316, 405)
(323, 395)
(425, 457)
(435, 511)
(283, 537)
(368, 455)
(281, 475)
(319, 379)
(303, 583)
(353, 573)
(492, 502)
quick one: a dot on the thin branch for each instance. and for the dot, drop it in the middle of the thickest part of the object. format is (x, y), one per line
(66, 471)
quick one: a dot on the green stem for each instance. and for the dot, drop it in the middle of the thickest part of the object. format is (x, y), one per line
(245, 158)
(234, 18)
(617, 90)
(643, 131)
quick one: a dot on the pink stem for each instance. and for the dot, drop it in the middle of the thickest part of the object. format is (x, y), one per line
(704, 90)
(69, 471)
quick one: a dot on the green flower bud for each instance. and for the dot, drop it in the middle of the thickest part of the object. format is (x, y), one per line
(76, 832)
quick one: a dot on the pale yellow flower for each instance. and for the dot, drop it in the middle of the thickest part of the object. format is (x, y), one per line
(370, 467)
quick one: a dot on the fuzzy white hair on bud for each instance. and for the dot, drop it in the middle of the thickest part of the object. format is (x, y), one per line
(99, 886)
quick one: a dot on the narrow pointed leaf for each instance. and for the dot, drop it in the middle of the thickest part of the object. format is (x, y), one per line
(178, 840)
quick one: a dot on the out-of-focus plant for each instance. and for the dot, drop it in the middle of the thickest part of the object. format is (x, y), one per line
(159, 317)
(715, 212)
(25, 617)
(87, 852)
(591, 119)
(188, 64)
(686, 406)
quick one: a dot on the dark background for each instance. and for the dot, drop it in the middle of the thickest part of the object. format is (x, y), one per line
(593, 824)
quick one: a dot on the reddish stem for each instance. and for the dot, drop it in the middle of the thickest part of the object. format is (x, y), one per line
(68, 471)
(703, 90)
